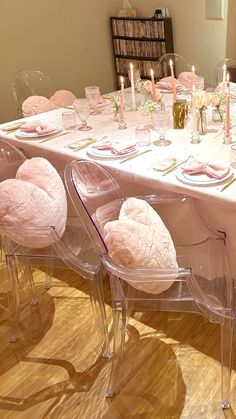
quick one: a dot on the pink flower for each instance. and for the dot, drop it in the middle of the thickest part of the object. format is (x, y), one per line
(215, 101)
(148, 85)
(158, 94)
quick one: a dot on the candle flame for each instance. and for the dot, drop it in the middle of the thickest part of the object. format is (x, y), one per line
(171, 63)
(227, 77)
(131, 66)
(121, 79)
(193, 69)
(152, 72)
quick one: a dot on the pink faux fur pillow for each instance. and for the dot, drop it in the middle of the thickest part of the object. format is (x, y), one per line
(34, 105)
(36, 198)
(62, 98)
(139, 239)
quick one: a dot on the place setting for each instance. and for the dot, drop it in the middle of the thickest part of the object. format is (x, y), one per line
(112, 150)
(34, 130)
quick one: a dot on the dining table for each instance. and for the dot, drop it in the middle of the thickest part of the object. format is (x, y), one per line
(140, 172)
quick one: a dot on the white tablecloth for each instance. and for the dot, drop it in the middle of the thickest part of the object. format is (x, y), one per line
(216, 208)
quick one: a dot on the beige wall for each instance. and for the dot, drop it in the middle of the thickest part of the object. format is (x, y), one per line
(68, 40)
(71, 40)
(201, 41)
(231, 30)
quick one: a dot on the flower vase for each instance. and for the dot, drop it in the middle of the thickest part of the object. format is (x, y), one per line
(201, 122)
(116, 117)
(217, 114)
(145, 97)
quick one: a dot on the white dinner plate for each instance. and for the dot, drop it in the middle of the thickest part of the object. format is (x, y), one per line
(201, 179)
(32, 135)
(104, 104)
(107, 154)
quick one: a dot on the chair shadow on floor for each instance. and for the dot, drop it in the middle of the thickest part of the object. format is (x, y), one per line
(198, 335)
(151, 383)
(35, 323)
(142, 379)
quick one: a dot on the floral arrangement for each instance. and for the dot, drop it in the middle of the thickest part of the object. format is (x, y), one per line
(115, 101)
(218, 100)
(144, 86)
(202, 100)
(149, 106)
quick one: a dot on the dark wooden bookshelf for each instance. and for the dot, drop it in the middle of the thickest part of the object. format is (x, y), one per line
(142, 41)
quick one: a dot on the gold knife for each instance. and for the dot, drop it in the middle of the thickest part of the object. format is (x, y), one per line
(11, 128)
(175, 166)
(136, 155)
(54, 136)
(82, 146)
(228, 184)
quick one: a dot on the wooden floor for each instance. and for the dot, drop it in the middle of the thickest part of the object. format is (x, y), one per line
(171, 368)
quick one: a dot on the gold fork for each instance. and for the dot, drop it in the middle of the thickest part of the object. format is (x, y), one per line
(136, 155)
(60, 134)
(176, 166)
(228, 184)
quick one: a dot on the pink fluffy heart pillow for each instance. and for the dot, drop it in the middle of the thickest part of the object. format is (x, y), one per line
(62, 98)
(139, 239)
(35, 198)
(34, 105)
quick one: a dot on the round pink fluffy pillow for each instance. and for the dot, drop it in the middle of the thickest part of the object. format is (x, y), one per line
(36, 198)
(62, 98)
(34, 105)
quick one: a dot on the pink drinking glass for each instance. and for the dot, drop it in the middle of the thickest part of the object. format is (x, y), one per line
(93, 97)
(81, 107)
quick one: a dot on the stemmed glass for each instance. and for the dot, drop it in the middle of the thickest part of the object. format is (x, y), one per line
(161, 124)
(93, 96)
(81, 107)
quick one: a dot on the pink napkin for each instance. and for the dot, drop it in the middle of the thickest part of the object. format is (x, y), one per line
(186, 79)
(212, 169)
(115, 148)
(166, 84)
(36, 127)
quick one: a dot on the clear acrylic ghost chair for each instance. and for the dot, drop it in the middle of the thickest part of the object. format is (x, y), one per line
(202, 283)
(180, 64)
(30, 83)
(230, 64)
(74, 250)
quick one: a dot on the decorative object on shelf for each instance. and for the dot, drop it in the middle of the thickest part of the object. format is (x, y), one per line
(127, 10)
(179, 113)
(161, 12)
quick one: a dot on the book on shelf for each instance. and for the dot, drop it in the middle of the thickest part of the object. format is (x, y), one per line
(142, 41)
